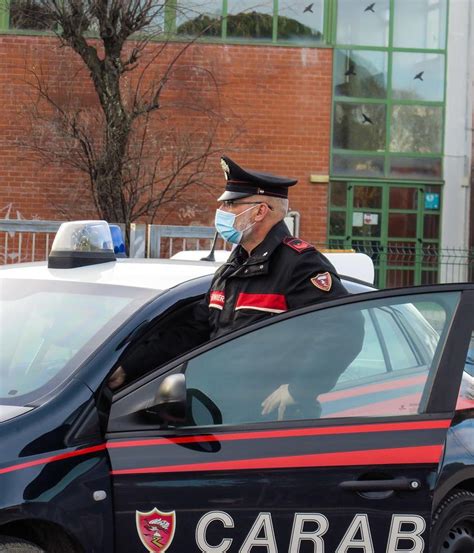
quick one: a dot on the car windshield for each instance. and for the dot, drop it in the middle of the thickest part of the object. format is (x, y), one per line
(48, 328)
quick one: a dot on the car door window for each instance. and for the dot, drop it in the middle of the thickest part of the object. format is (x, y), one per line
(370, 358)
(466, 391)
(401, 351)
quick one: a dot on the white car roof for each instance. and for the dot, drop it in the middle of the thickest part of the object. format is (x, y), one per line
(162, 274)
(349, 264)
(158, 274)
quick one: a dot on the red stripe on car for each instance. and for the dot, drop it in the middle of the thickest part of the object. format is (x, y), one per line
(51, 459)
(397, 456)
(371, 388)
(297, 432)
(464, 403)
(293, 433)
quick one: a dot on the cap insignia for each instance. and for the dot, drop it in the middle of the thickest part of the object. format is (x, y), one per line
(225, 168)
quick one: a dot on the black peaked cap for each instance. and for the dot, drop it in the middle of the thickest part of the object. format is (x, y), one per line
(245, 182)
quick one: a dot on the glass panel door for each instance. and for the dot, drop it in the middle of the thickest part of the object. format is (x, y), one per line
(403, 233)
(368, 222)
(397, 225)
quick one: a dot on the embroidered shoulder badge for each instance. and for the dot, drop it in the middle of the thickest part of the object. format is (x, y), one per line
(323, 281)
(297, 244)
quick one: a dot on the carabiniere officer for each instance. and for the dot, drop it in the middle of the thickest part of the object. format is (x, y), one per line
(268, 272)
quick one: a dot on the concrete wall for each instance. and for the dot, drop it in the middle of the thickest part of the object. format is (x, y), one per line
(458, 137)
(471, 214)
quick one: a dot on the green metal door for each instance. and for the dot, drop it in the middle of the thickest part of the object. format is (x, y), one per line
(397, 225)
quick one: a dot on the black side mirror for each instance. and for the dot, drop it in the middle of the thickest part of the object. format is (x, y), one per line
(169, 404)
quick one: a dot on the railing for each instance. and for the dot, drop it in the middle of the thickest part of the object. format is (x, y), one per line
(166, 240)
(406, 265)
(22, 241)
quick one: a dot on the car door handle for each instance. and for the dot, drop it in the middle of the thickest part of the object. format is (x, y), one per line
(409, 484)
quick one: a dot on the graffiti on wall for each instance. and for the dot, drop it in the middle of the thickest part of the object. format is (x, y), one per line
(15, 247)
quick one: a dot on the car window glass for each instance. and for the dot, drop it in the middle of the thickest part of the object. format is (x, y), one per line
(466, 391)
(371, 360)
(400, 348)
(331, 366)
(170, 334)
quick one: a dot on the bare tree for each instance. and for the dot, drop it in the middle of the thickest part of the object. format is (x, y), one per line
(148, 135)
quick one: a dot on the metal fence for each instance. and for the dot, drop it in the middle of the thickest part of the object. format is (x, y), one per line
(406, 265)
(396, 265)
(22, 241)
(166, 240)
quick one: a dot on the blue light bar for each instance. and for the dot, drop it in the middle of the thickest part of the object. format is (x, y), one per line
(117, 240)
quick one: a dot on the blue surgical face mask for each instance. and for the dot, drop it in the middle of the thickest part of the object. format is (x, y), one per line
(225, 225)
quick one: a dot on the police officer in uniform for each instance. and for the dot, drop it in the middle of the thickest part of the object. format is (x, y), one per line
(268, 272)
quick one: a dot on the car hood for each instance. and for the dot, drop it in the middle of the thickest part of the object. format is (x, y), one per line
(8, 412)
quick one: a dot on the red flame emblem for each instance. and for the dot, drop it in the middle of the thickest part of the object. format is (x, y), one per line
(156, 529)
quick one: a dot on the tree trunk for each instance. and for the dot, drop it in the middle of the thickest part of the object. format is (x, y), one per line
(109, 176)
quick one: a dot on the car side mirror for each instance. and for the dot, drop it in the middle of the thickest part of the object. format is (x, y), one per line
(169, 404)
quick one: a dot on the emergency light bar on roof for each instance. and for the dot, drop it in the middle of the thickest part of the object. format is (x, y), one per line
(81, 243)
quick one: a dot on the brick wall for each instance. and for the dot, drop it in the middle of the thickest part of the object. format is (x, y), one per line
(279, 99)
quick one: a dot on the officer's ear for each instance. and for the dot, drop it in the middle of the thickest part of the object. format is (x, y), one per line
(262, 212)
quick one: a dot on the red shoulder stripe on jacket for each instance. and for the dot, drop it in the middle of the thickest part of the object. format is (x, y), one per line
(271, 303)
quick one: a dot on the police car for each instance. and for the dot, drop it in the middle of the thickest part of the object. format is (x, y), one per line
(183, 459)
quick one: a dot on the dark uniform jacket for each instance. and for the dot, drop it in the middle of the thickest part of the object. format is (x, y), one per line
(282, 273)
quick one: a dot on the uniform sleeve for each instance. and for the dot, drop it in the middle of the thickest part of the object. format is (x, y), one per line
(313, 279)
(329, 350)
(167, 343)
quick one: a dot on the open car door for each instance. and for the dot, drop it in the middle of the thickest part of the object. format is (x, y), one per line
(352, 468)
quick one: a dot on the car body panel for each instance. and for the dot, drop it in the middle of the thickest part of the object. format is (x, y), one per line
(46, 475)
(282, 472)
(159, 274)
(59, 451)
(226, 466)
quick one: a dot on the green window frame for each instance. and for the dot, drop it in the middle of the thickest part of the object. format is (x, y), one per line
(389, 103)
(417, 253)
(170, 27)
(4, 16)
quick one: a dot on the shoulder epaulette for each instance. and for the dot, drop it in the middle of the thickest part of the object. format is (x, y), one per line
(297, 244)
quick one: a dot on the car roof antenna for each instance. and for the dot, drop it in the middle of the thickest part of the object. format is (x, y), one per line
(211, 256)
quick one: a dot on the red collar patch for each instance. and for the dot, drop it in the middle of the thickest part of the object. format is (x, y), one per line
(323, 281)
(297, 244)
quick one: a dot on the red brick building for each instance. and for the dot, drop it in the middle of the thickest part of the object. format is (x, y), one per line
(366, 107)
(280, 96)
